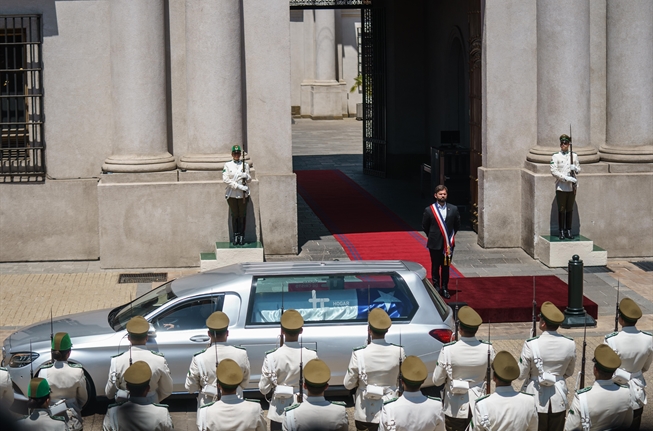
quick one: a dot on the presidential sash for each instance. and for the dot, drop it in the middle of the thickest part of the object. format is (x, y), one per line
(449, 241)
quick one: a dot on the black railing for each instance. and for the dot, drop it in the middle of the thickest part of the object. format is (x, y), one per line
(21, 99)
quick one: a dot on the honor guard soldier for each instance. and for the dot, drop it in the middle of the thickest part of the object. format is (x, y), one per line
(138, 413)
(545, 362)
(161, 381)
(40, 417)
(506, 409)
(67, 382)
(316, 413)
(412, 411)
(201, 374)
(635, 349)
(604, 405)
(462, 367)
(231, 412)
(281, 368)
(564, 167)
(6, 388)
(235, 175)
(374, 369)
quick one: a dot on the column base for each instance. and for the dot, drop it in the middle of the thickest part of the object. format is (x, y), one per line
(638, 154)
(134, 163)
(541, 154)
(204, 162)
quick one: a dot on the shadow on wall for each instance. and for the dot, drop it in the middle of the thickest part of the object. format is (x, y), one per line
(46, 8)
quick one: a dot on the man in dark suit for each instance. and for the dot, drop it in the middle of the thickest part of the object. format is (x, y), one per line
(440, 222)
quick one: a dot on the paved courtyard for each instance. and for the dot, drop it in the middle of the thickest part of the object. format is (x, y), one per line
(29, 291)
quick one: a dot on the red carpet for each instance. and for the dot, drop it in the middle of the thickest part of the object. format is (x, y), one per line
(510, 299)
(365, 228)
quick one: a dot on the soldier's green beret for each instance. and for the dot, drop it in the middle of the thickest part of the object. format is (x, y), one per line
(139, 373)
(317, 373)
(236, 149)
(217, 321)
(413, 370)
(469, 318)
(291, 320)
(606, 359)
(61, 342)
(38, 388)
(551, 314)
(229, 373)
(505, 366)
(138, 326)
(564, 138)
(379, 320)
(629, 310)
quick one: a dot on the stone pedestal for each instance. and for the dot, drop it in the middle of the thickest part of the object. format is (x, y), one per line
(554, 253)
(227, 254)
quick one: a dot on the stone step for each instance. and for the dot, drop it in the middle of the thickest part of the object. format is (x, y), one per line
(228, 254)
(556, 253)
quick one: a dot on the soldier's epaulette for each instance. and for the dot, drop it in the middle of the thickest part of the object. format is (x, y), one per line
(397, 345)
(115, 356)
(582, 391)
(114, 405)
(312, 350)
(526, 393)
(59, 418)
(391, 400)
(44, 366)
(74, 365)
(359, 347)
(160, 405)
(434, 398)
(567, 337)
(294, 406)
(610, 335)
(207, 405)
(200, 352)
(240, 347)
(482, 398)
(253, 401)
(271, 351)
(450, 343)
(486, 342)
(534, 338)
(157, 353)
(3, 369)
(339, 403)
(647, 333)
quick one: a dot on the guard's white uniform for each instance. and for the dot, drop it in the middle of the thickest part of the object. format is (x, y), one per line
(560, 169)
(232, 414)
(375, 364)
(6, 389)
(412, 412)
(557, 354)
(160, 383)
(462, 360)
(505, 410)
(137, 414)
(609, 405)
(67, 382)
(232, 176)
(635, 348)
(40, 420)
(316, 414)
(281, 367)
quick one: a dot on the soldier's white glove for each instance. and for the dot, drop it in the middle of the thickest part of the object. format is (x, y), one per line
(574, 168)
(242, 187)
(571, 180)
(241, 175)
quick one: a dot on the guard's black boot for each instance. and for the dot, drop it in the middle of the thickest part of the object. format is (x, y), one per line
(242, 231)
(562, 235)
(561, 225)
(569, 215)
(236, 225)
(568, 234)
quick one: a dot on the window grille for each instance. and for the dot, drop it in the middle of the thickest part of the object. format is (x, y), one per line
(21, 99)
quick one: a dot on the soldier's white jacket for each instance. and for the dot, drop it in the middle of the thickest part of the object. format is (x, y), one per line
(232, 176)
(40, 420)
(561, 168)
(466, 360)
(6, 389)
(281, 367)
(232, 413)
(505, 409)
(203, 365)
(67, 382)
(137, 414)
(610, 406)
(635, 348)
(380, 360)
(160, 383)
(412, 412)
(558, 355)
(316, 414)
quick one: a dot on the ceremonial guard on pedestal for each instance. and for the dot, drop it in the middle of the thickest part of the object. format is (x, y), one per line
(235, 175)
(564, 167)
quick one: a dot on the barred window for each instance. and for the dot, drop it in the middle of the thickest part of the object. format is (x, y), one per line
(21, 99)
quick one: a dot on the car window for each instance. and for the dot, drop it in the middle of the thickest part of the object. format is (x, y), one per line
(141, 306)
(440, 305)
(334, 298)
(188, 314)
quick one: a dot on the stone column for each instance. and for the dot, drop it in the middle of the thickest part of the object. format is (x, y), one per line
(138, 85)
(629, 129)
(306, 96)
(214, 82)
(563, 78)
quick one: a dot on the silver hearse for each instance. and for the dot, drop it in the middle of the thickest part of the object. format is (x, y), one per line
(333, 297)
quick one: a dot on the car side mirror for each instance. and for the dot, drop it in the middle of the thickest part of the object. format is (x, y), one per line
(151, 332)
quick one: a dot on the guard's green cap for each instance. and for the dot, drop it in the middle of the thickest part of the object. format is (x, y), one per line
(505, 366)
(413, 370)
(469, 318)
(229, 373)
(236, 149)
(629, 310)
(606, 359)
(379, 320)
(138, 326)
(38, 388)
(139, 373)
(564, 138)
(61, 342)
(217, 321)
(317, 373)
(291, 320)
(551, 314)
